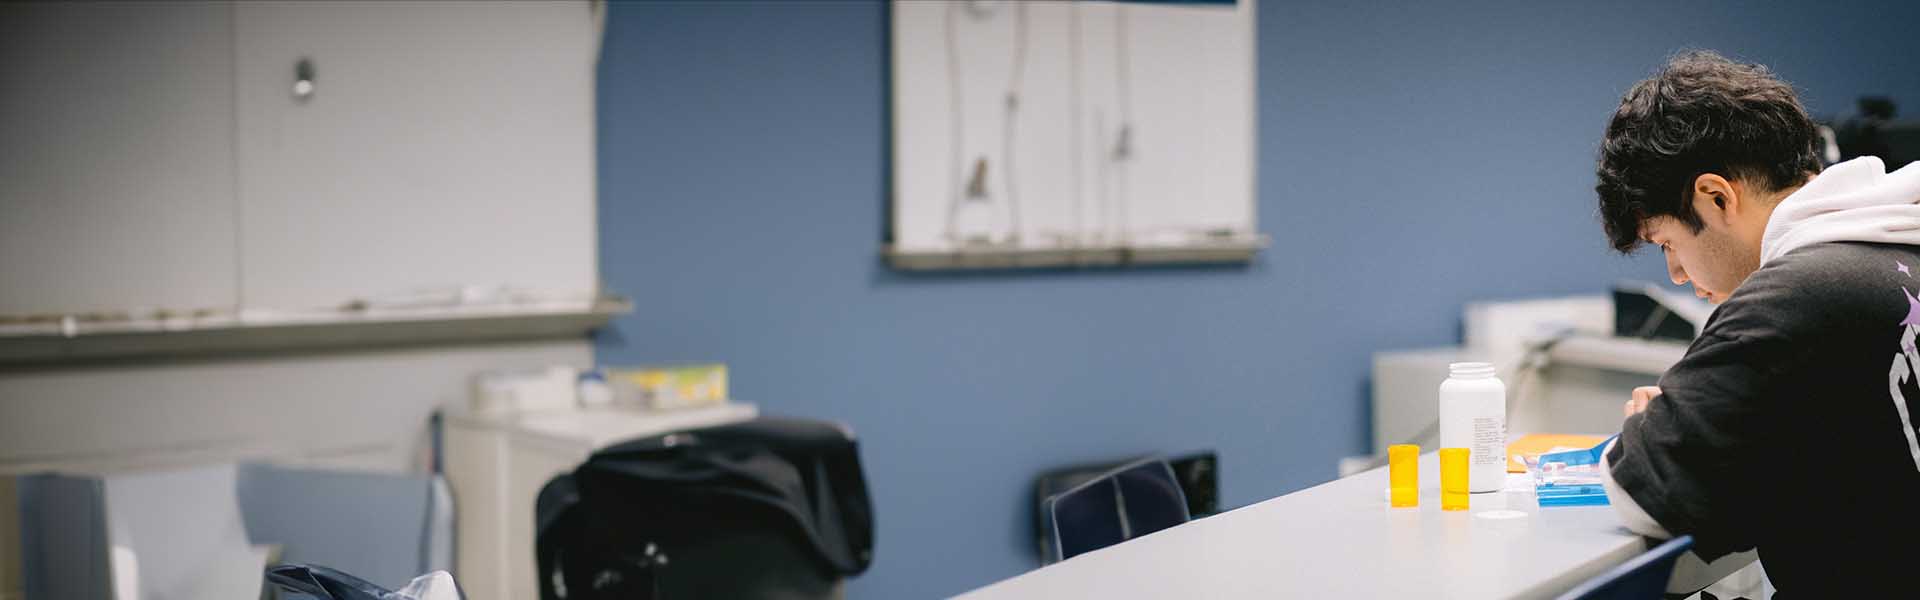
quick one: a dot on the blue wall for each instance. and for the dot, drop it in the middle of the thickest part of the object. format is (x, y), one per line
(1412, 157)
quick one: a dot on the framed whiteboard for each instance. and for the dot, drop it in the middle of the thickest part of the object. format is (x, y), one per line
(1072, 133)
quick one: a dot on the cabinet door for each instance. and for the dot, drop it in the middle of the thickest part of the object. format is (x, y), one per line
(442, 144)
(116, 157)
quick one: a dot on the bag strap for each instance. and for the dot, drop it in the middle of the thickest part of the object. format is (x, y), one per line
(555, 527)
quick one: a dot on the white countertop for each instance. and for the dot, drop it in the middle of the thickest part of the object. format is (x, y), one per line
(1340, 539)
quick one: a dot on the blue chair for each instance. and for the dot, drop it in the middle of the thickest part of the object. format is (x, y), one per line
(1643, 578)
(1127, 502)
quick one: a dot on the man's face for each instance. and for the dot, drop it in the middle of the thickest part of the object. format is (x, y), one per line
(1715, 260)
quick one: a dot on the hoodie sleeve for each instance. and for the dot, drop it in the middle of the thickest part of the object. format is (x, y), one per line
(1688, 461)
(1631, 514)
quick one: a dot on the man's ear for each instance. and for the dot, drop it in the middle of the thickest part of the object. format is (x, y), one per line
(1716, 199)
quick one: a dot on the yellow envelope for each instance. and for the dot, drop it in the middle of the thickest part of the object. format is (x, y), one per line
(1535, 444)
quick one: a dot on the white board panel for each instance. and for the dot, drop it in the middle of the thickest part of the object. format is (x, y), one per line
(116, 157)
(1048, 125)
(444, 144)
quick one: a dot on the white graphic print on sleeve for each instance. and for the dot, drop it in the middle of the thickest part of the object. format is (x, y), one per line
(1901, 371)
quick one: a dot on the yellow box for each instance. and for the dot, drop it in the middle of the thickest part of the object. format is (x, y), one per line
(669, 387)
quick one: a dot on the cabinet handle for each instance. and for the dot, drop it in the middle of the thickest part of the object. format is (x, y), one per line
(303, 79)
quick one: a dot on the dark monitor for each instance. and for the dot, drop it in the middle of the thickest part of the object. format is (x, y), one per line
(1876, 132)
(1644, 311)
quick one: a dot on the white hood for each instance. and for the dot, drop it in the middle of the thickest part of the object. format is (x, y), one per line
(1854, 201)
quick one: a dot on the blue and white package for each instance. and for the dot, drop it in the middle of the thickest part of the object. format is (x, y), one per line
(1570, 477)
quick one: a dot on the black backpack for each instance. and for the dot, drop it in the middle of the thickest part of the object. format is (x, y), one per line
(769, 508)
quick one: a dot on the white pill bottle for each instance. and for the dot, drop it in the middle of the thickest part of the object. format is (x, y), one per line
(1473, 415)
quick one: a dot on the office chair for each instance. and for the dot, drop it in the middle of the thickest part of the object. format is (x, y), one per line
(1643, 578)
(1198, 473)
(1127, 502)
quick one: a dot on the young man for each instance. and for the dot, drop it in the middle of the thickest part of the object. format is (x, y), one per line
(1789, 424)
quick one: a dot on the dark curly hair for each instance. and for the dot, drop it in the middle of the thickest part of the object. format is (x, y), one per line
(1702, 113)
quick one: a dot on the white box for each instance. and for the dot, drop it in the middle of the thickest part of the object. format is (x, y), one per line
(504, 392)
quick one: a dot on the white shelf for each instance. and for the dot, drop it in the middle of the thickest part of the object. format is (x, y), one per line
(193, 454)
(78, 341)
(1232, 250)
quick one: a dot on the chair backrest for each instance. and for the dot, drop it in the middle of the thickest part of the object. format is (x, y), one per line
(1127, 502)
(1643, 578)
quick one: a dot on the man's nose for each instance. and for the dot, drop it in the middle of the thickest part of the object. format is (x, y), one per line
(1674, 271)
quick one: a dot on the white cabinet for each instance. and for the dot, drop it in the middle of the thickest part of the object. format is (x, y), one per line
(442, 144)
(116, 156)
(155, 155)
(496, 467)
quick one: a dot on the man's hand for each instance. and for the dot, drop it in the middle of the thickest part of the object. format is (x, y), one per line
(1641, 396)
